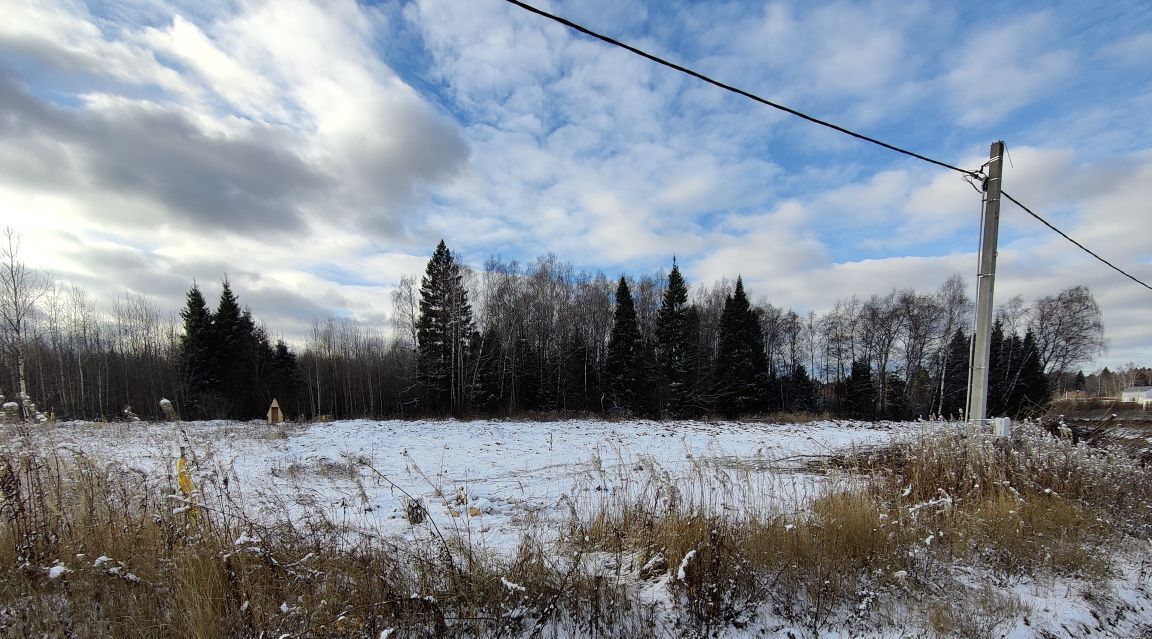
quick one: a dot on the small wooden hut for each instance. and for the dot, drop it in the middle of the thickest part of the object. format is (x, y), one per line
(275, 415)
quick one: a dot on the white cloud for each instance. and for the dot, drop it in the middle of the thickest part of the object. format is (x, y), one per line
(273, 141)
(1003, 68)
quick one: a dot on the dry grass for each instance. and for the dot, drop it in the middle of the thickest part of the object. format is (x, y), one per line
(138, 567)
(895, 525)
(728, 543)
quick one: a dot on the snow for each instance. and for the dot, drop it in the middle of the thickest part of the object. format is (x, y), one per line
(688, 556)
(512, 585)
(245, 538)
(480, 478)
(500, 477)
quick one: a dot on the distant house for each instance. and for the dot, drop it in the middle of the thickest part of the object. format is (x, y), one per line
(1139, 394)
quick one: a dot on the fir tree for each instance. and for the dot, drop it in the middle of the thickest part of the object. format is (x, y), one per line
(443, 332)
(676, 347)
(622, 371)
(741, 363)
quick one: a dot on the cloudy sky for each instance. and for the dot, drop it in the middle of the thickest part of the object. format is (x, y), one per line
(316, 152)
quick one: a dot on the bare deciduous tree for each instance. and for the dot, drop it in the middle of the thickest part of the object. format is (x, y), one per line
(1069, 329)
(21, 289)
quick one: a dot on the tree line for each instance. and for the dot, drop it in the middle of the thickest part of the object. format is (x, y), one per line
(542, 337)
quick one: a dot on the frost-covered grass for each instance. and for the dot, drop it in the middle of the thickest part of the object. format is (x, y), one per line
(637, 529)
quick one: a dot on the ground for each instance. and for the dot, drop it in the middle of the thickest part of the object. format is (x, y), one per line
(496, 482)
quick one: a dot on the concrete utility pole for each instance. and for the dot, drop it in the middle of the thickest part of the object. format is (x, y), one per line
(986, 278)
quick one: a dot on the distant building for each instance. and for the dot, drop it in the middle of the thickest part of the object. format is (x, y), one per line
(275, 415)
(1139, 394)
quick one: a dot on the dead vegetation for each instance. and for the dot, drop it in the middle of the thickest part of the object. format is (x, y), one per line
(91, 549)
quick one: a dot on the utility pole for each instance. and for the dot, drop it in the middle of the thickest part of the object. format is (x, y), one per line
(986, 278)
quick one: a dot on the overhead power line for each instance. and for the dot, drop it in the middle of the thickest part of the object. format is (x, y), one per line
(738, 91)
(824, 123)
(1067, 237)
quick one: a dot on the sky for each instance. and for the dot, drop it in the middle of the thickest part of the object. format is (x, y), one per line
(315, 152)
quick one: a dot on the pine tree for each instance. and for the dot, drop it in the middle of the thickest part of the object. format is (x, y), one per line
(197, 353)
(676, 347)
(622, 371)
(443, 332)
(741, 363)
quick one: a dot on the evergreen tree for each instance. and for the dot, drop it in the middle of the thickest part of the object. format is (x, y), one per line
(444, 332)
(1035, 390)
(802, 395)
(676, 347)
(1081, 381)
(861, 392)
(285, 380)
(242, 352)
(623, 369)
(954, 386)
(487, 390)
(197, 353)
(997, 395)
(741, 363)
(894, 406)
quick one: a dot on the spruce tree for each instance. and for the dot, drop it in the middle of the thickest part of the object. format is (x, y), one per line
(443, 332)
(197, 353)
(954, 386)
(741, 363)
(1034, 383)
(1081, 381)
(676, 347)
(242, 352)
(997, 395)
(802, 396)
(486, 356)
(285, 380)
(622, 371)
(861, 392)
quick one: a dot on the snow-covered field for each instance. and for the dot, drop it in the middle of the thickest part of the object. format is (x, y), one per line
(495, 482)
(487, 478)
